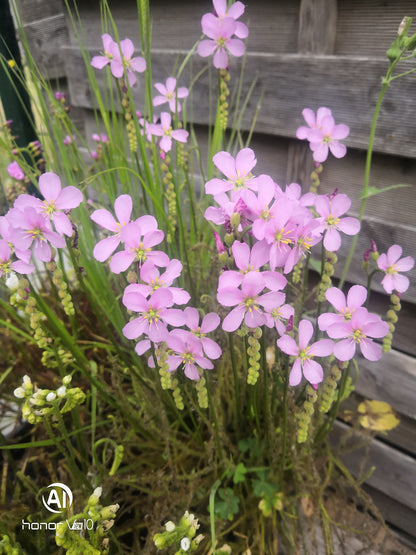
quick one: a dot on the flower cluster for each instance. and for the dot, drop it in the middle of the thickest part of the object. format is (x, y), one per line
(119, 57)
(220, 29)
(323, 134)
(33, 225)
(40, 403)
(181, 535)
(154, 297)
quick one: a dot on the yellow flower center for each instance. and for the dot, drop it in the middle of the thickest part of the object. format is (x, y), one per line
(358, 336)
(251, 304)
(151, 315)
(280, 237)
(5, 266)
(35, 234)
(332, 221)
(140, 251)
(303, 354)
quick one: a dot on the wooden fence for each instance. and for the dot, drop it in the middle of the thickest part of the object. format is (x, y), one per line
(303, 53)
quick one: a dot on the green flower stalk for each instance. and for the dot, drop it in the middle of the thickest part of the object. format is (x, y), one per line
(329, 388)
(253, 353)
(202, 393)
(224, 77)
(392, 318)
(329, 260)
(165, 375)
(305, 414)
(62, 286)
(170, 195)
(128, 117)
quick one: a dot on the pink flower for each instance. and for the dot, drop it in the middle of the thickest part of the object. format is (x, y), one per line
(220, 42)
(277, 312)
(280, 233)
(67, 140)
(238, 172)
(169, 94)
(187, 350)
(153, 280)
(304, 354)
(312, 121)
(306, 236)
(235, 11)
(391, 265)
(139, 237)
(210, 322)
(15, 171)
(330, 211)
(120, 59)
(327, 138)
(247, 302)
(358, 331)
(155, 314)
(102, 138)
(6, 265)
(33, 229)
(123, 206)
(345, 307)
(247, 261)
(57, 201)
(165, 131)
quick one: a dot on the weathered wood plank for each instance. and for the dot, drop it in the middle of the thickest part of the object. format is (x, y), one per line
(317, 26)
(349, 85)
(45, 39)
(177, 25)
(402, 437)
(392, 379)
(394, 474)
(396, 514)
(368, 28)
(34, 10)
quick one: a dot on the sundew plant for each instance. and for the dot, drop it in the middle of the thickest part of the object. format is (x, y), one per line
(167, 354)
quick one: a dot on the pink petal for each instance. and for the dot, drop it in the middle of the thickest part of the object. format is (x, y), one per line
(160, 87)
(230, 297)
(309, 116)
(332, 240)
(312, 371)
(220, 7)
(236, 47)
(245, 161)
(226, 164)
(322, 206)
(295, 375)
(121, 261)
(320, 152)
(62, 224)
(123, 206)
(349, 226)
(233, 320)
(356, 296)
(98, 62)
(370, 350)
(405, 264)
(153, 238)
(211, 348)
(42, 251)
(192, 317)
(216, 186)
(70, 197)
(252, 284)
(254, 318)
(221, 59)
(182, 92)
(340, 204)
(376, 328)
(321, 348)
(230, 279)
(180, 135)
(401, 283)
(305, 333)
(337, 298)
(142, 346)
(327, 125)
(206, 47)
(127, 48)
(157, 331)
(158, 100)
(50, 186)
(104, 219)
(340, 131)
(138, 64)
(117, 68)
(236, 10)
(345, 349)
(210, 26)
(339, 330)
(191, 371)
(241, 30)
(337, 149)
(210, 322)
(175, 317)
(393, 254)
(288, 345)
(134, 300)
(388, 283)
(165, 143)
(135, 328)
(329, 319)
(241, 253)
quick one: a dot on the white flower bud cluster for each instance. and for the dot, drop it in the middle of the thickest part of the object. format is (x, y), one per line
(40, 403)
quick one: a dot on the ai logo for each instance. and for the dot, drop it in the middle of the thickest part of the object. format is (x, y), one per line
(60, 498)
